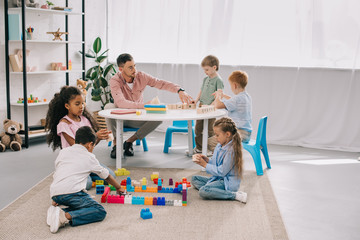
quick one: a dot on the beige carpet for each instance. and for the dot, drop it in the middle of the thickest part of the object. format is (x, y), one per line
(201, 219)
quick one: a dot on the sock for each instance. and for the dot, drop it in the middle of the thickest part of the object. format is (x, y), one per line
(63, 219)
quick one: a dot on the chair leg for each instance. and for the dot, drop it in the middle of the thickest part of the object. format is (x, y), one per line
(266, 155)
(137, 142)
(255, 153)
(193, 138)
(145, 147)
(167, 142)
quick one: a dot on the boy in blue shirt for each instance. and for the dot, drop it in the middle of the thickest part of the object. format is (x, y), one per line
(211, 83)
(240, 106)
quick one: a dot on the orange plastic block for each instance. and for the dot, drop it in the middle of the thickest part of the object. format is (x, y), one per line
(148, 201)
(138, 189)
(93, 184)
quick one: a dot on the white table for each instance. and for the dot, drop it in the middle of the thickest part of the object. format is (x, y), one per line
(171, 115)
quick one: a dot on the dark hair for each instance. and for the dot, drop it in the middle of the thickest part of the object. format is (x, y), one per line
(210, 61)
(123, 58)
(85, 135)
(57, 111)
(227, 125)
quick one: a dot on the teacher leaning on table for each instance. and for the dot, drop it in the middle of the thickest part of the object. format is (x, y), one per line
(127, 89)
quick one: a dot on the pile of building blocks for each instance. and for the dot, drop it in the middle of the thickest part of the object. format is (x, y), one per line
(31, 99)
(205, 109)
(155, 108)
(141, 186)
(181, 106)
(145, 213)
(122, 172)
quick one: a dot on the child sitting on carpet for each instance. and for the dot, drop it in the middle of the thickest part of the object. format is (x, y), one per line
(226, 165)
(66, 114)
(72, 168)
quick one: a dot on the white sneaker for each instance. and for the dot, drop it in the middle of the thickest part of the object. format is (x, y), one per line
(54, 219)
(48, 218)
(241, 196)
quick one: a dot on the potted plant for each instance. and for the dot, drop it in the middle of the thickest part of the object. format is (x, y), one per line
(97, 77)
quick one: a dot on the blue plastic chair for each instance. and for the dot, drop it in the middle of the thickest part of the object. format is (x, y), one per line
(254, 147)
(178, 126)
(145, 147)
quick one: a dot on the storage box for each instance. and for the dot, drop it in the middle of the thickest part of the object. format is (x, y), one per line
(14, 27)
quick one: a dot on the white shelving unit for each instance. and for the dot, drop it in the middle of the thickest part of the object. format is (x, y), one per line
(38, 43)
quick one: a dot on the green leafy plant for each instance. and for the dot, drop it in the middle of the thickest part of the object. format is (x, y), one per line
(49, 3)
(99, 75)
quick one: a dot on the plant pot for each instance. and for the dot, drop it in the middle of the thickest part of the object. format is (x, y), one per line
(101, 122)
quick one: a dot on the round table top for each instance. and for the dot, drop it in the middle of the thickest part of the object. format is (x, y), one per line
(171, 115)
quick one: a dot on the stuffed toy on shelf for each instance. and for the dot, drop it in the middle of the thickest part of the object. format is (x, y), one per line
(10, 138)
(81, 84)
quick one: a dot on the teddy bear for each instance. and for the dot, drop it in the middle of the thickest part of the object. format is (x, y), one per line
(28, 3)
(81, 84)
(10, 138)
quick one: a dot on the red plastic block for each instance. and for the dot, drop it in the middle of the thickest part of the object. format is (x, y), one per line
(116, 199)
(105, 195)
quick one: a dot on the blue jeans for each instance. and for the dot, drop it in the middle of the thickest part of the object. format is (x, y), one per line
(82, 208)
(93, 177)
(213, 190)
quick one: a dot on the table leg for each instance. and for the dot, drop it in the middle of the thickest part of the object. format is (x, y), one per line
(205, 137)
(190, 138)
(119, 142)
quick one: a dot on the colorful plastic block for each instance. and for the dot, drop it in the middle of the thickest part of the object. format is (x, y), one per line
(105, 195)
(116, 199)
(154, 201)
(99, 182)
(100, 189)
(161, 201)
(177, 203)
(148, 201)
(145, 214)
(128, 199)
(171, 182)
(123, 182)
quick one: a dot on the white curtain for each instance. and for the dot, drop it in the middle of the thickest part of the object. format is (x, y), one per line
(302, 58)
(298, 33)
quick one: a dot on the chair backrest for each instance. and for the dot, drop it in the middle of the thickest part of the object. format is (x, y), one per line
(181, 123)
(261, 134)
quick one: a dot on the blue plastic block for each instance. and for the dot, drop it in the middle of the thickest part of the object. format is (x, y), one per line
(145, 214)
(100, 189)
(130, 189)
(128, 181)
(143, 187)
(176, 190)
(161, 201)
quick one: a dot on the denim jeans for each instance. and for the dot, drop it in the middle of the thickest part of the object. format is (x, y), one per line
(82, 208)
(213, 190)
(93, 177)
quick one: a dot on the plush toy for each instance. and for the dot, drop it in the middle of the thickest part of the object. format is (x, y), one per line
(81, 84)
(28, 3)
(10, 138)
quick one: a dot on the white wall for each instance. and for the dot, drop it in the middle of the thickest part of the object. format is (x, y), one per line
(44, 86)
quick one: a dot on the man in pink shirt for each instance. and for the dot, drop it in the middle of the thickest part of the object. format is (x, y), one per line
(127, 89)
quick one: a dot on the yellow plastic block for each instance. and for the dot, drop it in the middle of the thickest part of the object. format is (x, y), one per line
(99, 182)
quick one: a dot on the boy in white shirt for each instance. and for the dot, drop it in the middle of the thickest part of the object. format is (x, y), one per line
(72, 168)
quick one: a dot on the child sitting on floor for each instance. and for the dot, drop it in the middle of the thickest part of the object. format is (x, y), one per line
(225, 166)
(72, 168)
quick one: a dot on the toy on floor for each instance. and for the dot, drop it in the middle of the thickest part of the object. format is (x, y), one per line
(145, 214)
(121, 172)
(10, 138)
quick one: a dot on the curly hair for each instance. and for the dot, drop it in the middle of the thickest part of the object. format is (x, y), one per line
(57, 111)
(227, 125)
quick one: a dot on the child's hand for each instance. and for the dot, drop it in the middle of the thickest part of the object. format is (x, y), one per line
(103, 134)
(200, 159)
(120, 191)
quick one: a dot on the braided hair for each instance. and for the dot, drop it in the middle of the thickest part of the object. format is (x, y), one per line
(227, 125)
(57, 111)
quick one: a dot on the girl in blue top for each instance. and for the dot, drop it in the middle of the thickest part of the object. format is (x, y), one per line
(225, 166)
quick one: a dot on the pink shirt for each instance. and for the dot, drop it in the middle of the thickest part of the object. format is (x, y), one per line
(125, 97)
(70, 129)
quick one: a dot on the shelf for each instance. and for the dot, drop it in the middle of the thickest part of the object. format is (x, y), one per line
(47, 72)
(30, 104)
(45, 41)
(35, 135)
(41, 10)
